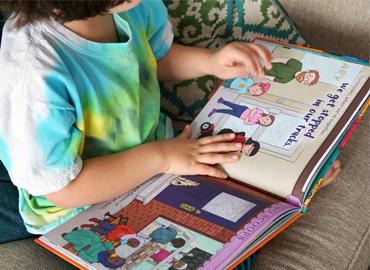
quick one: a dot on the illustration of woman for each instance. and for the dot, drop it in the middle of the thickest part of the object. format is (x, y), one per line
(253, 116)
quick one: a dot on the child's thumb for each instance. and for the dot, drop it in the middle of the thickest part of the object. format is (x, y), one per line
(186, 133)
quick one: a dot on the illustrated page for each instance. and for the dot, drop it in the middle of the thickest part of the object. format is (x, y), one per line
(284, 118)
(181, 225)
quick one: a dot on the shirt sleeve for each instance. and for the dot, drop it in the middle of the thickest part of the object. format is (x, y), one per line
(39, 137)
(159, 28)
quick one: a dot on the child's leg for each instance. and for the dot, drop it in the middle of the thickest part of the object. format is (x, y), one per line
(333, 173)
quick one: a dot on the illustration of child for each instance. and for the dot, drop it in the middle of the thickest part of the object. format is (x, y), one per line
(112, 231)
(247, 84)
(250, 146)
(91, 248)
(129, 244)
(258, 89)
(253, 116)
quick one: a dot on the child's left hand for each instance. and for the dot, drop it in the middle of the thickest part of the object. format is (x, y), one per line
(239, 59)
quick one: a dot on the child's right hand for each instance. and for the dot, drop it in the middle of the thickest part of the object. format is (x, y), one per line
(185, 156)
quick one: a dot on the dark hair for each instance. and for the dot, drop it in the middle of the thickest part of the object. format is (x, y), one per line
(60, 10)
(255, 144)
(178, 242)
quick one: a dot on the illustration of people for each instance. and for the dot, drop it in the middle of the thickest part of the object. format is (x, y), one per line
(286, 70)
(154, 251)
(194, 259)
(250, 146)
(250, 116)
(164, 235)
(114, 219)
(247, 84)
(129, 244)
(91, 248)
(182, 181)
(113, 232)
(110, 260)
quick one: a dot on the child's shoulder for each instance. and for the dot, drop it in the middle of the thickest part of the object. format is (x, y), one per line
(25, 44)
(27, 55)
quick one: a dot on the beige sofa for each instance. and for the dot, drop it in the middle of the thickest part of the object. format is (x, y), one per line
(334, 234)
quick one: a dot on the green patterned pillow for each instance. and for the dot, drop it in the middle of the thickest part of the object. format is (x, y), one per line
(212, 24)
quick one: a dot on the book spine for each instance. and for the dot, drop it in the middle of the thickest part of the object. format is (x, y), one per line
(355, 124)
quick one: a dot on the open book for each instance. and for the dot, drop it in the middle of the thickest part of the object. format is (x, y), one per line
(292, 125)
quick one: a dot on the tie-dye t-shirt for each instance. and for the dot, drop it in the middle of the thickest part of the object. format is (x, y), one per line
(64, 99)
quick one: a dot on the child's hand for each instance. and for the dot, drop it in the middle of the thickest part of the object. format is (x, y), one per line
(239, 59)
(186, 156)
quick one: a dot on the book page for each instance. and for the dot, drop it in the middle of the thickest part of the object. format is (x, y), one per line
(284, 118)
(187, 221)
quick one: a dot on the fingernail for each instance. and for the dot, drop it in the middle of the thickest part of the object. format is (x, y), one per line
(235, 156)
(225, 175)
(238, 145)
(231, 135)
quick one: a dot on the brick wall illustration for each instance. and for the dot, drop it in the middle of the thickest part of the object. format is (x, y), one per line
(141, 215)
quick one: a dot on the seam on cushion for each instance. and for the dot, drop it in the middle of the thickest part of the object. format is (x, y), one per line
(363, 241)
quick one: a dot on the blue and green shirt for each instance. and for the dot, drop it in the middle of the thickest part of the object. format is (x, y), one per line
(64, 99)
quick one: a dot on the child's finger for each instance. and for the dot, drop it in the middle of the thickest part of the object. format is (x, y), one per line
(263, 53)
(203, 169)
(218, 138)
(248, 58)
(220, 147)
(253, 62)
(186, 133)
(216, 158)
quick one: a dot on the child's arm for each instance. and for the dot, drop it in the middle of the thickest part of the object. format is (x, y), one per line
(233, 60)
(104, 178)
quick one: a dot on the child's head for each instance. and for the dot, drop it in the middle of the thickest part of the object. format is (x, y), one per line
(266, 119)
(63, 10)
(258, 89)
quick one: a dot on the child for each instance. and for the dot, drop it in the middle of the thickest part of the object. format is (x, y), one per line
(249, 116)
(247, 84)
(80, 97)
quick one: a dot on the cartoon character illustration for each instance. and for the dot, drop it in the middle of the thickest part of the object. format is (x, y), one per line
(247, 84)
(249, 116)
(112, 231)
(285, 70)
(182, 181)
(194, 259)
(164, 235)
(91, 248)
(129, 244)
(154, 251)
(250, 146)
